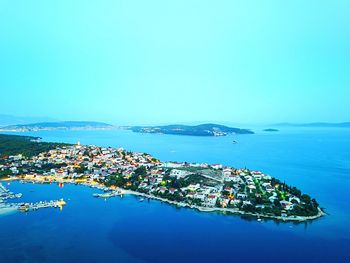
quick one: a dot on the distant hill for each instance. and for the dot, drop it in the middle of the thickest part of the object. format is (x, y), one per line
(63, 125)
(197, 130)
(317, 124)
(6, 119)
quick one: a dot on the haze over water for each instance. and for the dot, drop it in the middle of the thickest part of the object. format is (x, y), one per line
(126, 230)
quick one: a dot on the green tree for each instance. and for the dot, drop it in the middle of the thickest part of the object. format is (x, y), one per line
(141, 170)
(5, 173)
(306, 198)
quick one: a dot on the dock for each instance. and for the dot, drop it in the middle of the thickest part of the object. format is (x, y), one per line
(25, 207)
(109, 194)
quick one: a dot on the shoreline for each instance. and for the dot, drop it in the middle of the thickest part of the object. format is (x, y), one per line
(232, 211)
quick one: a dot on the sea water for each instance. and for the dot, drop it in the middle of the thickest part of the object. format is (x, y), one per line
(89, 229)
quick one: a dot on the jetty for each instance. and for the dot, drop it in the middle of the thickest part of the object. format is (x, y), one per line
(25, 207)
(6, 194)
(109, 194)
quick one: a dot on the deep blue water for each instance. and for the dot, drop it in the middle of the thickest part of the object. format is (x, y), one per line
(126, 230)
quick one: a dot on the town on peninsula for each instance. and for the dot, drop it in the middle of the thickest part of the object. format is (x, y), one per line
(115, 171)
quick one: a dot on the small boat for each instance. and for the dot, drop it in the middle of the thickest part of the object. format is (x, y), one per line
(234, 142)
(259, 220)
(141, 199)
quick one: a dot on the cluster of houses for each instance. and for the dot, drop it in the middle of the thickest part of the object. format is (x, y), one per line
(79, 161)
(233, 189)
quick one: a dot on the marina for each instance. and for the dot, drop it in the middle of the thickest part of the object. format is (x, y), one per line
(6, 194)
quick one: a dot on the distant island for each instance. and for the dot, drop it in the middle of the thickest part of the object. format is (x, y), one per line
(271, 130)
(201, 186)
(198, 130)
(62, 125)
(317, 125)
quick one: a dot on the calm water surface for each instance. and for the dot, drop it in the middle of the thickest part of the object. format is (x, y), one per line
(126, 230)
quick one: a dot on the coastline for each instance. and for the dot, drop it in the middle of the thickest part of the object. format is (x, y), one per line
(232, 211)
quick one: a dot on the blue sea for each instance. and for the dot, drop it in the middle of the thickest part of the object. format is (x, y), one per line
(125, 230)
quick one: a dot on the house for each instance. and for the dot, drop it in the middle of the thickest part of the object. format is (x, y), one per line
(225, 201)
(172, 190)
(251, 186)
(228, 189)
(143, 185)
(257, 176)
(226, 172)
(269, 189)
(14, 170)
(162, 190)
(267, 177)
(211, 200)
(190, 195)
(287, 205)
(159, 179)
(233, 178)
(200, 196)
(216, 166)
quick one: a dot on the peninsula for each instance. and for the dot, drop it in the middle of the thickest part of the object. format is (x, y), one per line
(208, 129)
(201, 186)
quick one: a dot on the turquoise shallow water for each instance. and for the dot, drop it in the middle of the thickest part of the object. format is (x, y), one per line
(125, 230)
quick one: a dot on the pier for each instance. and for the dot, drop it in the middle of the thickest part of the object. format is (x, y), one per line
(6, 194)
(25, 207)
(109, 194)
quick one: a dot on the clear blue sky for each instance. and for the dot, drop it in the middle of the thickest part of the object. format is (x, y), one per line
(176, 61)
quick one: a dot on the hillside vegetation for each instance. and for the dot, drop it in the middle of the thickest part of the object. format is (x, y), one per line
(25, 145)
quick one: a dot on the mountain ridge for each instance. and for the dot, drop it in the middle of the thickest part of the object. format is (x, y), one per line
(58, 125)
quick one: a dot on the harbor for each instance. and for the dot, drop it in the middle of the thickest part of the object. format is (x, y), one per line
(6, 194)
